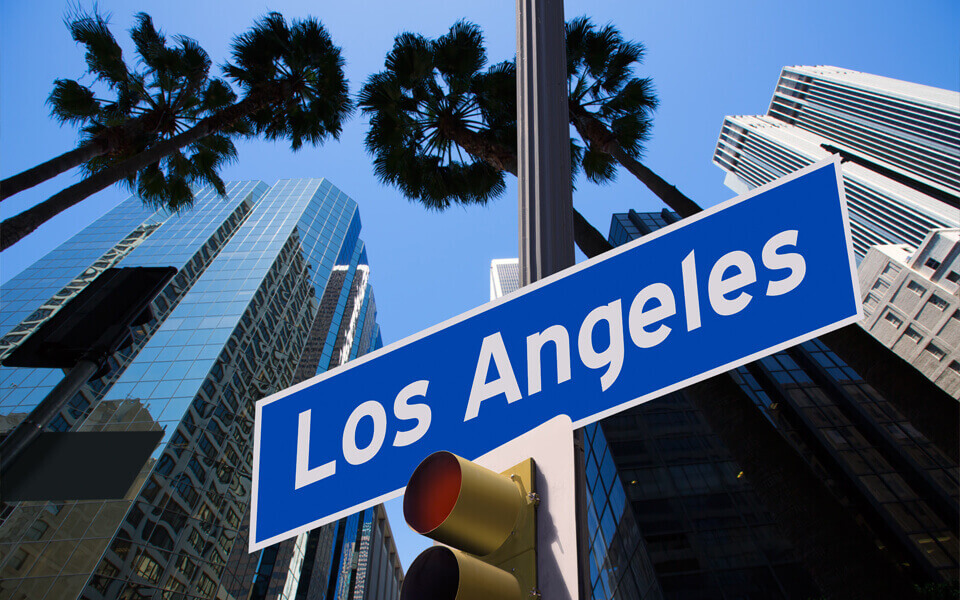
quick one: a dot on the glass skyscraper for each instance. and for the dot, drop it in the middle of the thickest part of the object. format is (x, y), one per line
(272, 288)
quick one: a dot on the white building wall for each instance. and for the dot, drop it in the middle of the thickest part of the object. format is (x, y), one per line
(900, 143)
(911, 299)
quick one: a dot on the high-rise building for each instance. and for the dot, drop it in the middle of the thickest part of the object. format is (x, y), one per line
(911, 303)
(272, 287)
(899, 142)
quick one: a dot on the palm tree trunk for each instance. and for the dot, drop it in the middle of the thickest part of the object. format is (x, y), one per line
(51, 168)
(16, 228)
(603, 139)
(107, 141)
(590, 241)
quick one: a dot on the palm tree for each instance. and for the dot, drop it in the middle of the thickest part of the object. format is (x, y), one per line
(443, 128)
(294, 88)
(145, 103)
(610, 108)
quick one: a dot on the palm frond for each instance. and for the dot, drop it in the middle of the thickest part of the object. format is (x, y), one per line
(631, 131)
(103, 56)
(577, 32)
(459, 55)
(599, 46)
(216, 96)
(256, 51)
(303, 64)
(495, 92)
(599, 167)
(71, 102)
(149, 42)
(190, 62)
(601, 82)
(636, 96)
(410, 60)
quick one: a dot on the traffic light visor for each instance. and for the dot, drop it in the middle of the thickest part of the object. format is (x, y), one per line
(461, 504)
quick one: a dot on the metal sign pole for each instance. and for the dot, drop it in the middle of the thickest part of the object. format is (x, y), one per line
(543, 141)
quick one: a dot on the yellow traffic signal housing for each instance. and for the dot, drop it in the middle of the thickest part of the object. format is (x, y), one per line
(489, 519)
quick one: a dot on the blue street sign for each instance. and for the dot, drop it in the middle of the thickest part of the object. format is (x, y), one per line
(742, 280)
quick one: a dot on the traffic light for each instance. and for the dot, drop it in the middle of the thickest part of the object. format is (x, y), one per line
(487, 519)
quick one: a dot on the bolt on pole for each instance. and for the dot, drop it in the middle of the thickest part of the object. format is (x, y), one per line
(543, 141)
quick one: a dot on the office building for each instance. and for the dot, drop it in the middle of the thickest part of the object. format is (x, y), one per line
(911, 303)
(899, 142)
(272, 287)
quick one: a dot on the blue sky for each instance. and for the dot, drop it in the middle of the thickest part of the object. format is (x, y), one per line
(708, 59)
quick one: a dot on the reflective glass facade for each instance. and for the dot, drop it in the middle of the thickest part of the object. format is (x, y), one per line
(241, 319)
(905, 489)
(618, 563)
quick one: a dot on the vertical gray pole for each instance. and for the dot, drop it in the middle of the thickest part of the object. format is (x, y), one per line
(543, 178)
(543, 141)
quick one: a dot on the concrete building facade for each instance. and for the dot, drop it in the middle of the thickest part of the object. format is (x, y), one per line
(911, 300)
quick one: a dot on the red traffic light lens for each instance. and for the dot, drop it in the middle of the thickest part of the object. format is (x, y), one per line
(432, 492)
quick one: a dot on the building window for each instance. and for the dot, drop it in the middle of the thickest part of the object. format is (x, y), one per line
(935, 351)
(913, 334)
(871, 301)
(196, 541)
(891, 270)
(881, 285)
(59, 424)
(206, 586)
(20, 557)
(893, 319)
(953, 277)
(938, 302)
(186, 566)
(148, 568)
(932, 263)
(954, 366)
(915, 287)
(105, 572)
(36, 531)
